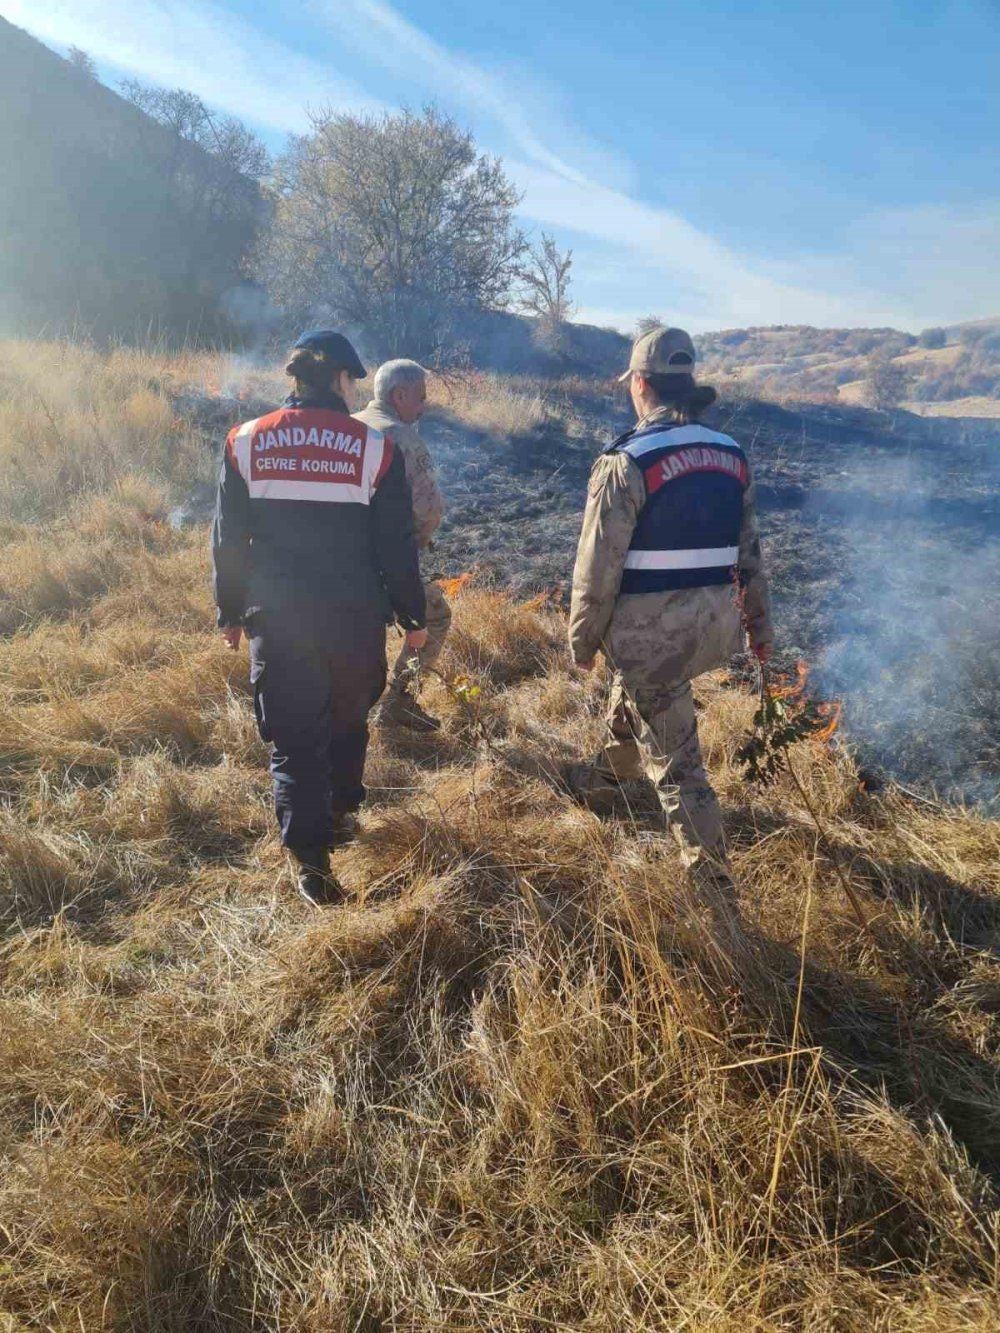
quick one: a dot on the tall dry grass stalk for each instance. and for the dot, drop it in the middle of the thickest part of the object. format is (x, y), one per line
(522, 1080)
(495, 404)
(75, 421)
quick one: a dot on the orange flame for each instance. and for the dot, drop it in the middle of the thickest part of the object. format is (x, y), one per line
(793, 693)
(796, 688)
(452, 587)
(543, 599)
(833, 712)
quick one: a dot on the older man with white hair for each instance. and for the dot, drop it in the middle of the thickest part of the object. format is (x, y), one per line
(398, 404)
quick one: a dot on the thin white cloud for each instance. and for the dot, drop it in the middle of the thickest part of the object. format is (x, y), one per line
(384, 35)
(668, 263)
(197, 46)
(681, 272)
(910, 268)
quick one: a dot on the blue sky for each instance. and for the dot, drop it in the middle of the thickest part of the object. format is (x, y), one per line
(713, 162)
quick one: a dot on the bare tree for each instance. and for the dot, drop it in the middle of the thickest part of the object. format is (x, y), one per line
(83, 61)
(545, 282)
(224, 137)
(647, 323)
(391, 224)
(886, 383)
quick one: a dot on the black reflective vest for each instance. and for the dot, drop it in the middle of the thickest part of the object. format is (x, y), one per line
(314, 507)
(688, 533)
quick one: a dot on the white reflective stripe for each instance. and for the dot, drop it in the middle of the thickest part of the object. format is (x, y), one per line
(678, 435)
(281, 488)
(278, 485)
(241, 448)
(708, 557)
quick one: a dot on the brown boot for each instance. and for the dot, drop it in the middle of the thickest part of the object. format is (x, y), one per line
(401, 709)
(714, 886)
(592, 788)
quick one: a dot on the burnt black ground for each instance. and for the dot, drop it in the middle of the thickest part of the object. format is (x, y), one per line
(881, 532)
(882, 535)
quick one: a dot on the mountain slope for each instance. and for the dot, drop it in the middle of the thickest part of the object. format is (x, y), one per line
(109, 223)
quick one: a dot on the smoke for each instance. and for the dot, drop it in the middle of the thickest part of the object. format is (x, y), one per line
(914, 643)
(250, 308)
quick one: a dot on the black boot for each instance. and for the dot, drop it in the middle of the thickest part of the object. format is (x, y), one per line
(345, 828)
(315, 880)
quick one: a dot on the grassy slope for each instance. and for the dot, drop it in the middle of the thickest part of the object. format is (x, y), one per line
(521, 1082)
(785, 364)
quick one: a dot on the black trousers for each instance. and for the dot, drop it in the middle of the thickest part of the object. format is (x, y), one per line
(316, 672)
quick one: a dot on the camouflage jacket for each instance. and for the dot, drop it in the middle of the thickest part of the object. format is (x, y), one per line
(615, 498)
(428, 506)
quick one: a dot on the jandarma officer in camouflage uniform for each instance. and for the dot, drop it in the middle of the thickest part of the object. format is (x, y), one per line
(669, 549)
(400, 393)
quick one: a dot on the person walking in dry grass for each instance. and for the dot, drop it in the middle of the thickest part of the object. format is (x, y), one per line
(314, 551)
(397, 406)
(668, 566)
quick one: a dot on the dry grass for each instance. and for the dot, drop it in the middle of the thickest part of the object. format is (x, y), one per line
(494, 403)
(74, 421)
(958, 407)
(521, 1081)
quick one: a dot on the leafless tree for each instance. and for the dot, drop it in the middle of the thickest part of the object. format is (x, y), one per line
(83, 61)
(545, 281)
(647, 323)
(389, 225)
(224, 137)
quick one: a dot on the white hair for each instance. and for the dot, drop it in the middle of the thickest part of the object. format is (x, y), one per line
(393, 375)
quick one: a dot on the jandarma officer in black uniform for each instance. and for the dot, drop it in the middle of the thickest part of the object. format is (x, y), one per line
(314, 551)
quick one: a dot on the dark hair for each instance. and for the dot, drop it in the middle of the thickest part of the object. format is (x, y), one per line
(310, 369)
(682, 395)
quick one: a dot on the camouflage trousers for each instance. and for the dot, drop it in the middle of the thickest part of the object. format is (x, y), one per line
(438, 623)
(657, 643)
(654, 734)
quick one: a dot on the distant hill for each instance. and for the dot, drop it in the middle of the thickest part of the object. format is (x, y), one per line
(989, 325)
(956, 368)
(109, 222)
(953, 371)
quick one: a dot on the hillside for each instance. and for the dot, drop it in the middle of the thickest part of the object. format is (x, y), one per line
(521, 1081)
(788, 364)
(110, 225)
(957, 375)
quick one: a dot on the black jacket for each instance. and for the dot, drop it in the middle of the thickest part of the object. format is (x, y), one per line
(314, 507)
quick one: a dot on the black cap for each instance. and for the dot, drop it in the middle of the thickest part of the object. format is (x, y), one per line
(336, 348)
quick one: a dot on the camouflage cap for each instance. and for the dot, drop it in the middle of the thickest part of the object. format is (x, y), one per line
(662, 352)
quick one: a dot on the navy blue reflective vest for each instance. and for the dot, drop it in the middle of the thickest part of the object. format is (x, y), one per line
(688, 533)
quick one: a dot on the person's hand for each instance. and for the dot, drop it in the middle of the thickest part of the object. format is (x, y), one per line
(586, 666)
(763, 652)
(231, 636)
(416, 639)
